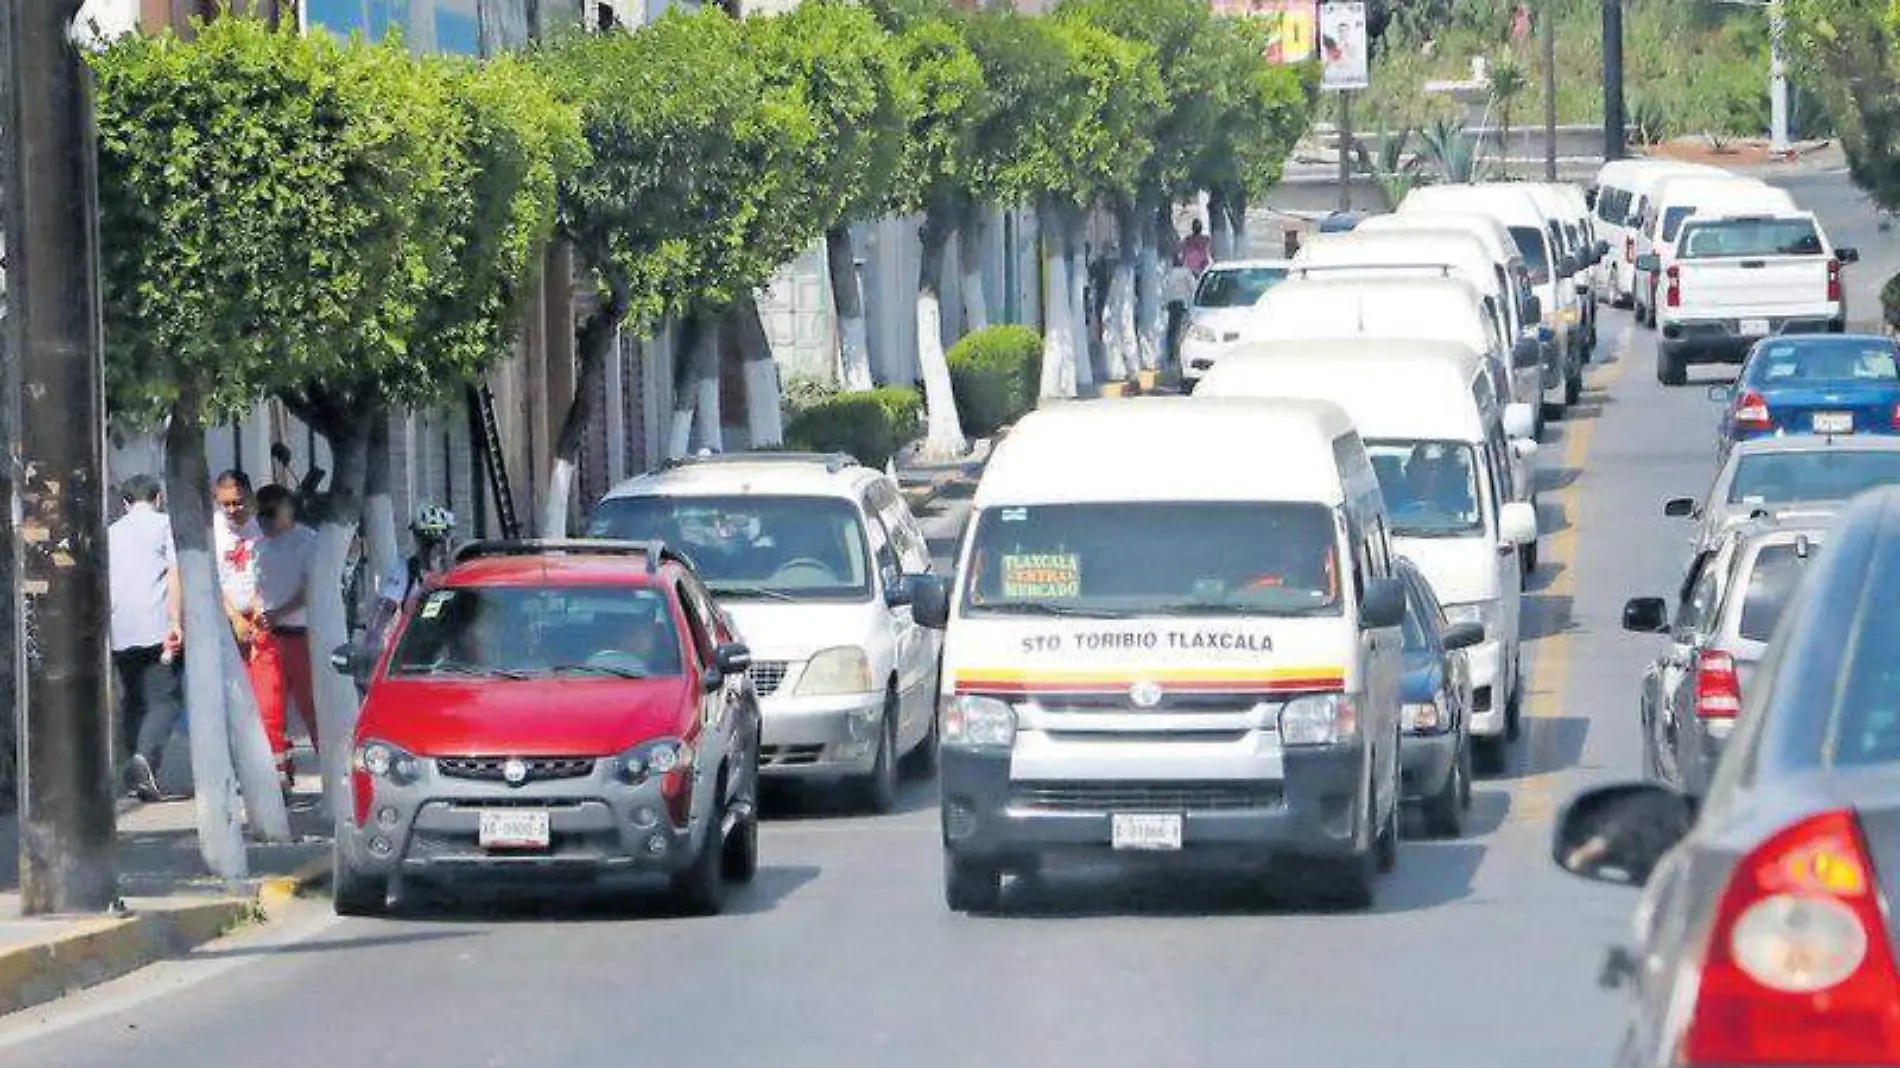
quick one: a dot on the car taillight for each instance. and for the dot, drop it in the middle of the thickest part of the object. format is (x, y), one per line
(1629, 248)
(1834, 280)
(1675, 286)
(1718, 690)
(1751, 412)
(1894, 420)
(1799, 969)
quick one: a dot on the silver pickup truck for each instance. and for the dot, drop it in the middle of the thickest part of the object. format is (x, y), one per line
(1739, 278)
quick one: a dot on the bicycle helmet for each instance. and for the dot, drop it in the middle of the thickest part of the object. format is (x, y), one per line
(433, 520)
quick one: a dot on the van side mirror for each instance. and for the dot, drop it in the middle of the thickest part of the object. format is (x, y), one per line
(1618, 834)
(1462, 635)
(343, 659)
(1526, 354)
(1568, 266)
(1383, 604)
(1519, 421)
(1847, 255)
(1648, 263)
(930, 601)
(1679, 507)
(898, 589)
(1646, 615)
(1524, 448)
(1602, 250)
(1517, 524)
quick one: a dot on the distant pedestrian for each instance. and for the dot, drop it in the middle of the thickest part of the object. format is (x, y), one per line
(1521, 24)
(430, 530)
(1177, 293)
(147, 632)
(1197, 251)
(280, 639)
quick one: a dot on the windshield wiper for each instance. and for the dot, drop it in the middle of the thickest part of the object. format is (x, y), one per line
(752, 591)
(1043, 608)
(597, 669)
(459, 667)
(1208, 608)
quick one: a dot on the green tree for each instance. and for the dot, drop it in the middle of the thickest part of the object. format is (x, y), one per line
(1508, 84)
(1264, 108)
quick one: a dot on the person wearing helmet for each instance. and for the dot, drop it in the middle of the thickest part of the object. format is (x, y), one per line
(430, 530)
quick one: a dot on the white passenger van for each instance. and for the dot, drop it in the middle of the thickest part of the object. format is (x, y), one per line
(1442, 460)
(1332, 306)
(1682, 195)
(1513, 279)
(1183, 664)
(1530, 226)
(1570, 215)
(1412, 251)
(1620, 190)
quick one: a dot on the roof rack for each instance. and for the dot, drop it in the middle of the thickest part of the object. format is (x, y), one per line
(1443, 269)
(654, 551)
(834, 461)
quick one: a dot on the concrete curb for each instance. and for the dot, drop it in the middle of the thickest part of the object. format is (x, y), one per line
(94, 951)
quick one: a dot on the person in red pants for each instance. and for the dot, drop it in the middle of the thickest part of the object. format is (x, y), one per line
(280, 644)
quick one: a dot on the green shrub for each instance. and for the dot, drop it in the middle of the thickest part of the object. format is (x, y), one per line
(870, 426)
(995, 375)
(801, 393)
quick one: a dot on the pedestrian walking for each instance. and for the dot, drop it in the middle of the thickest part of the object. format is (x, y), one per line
(147, 632)
(1177, 292)
(280, 637)
(1197, 250)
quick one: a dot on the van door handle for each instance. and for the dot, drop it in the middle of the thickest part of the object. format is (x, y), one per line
(1751, 265)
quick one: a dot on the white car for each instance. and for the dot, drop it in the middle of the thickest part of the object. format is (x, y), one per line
(816, 560)
(1222, 309)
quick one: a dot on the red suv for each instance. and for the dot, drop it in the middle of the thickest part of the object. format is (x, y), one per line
(556, 708)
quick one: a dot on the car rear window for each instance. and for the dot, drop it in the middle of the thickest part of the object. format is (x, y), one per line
(1771, 584)
(1798, 361)
(1237, 287)
(1530, 244)
(1751, 237)
(1812, 475)
(537, 631)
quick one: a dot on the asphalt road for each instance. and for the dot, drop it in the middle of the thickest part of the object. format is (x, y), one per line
(1479, 953)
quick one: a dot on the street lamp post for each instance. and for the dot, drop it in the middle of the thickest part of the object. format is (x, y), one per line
(1614, 131)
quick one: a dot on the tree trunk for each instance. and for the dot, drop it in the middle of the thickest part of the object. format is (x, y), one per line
(1151, 319)
(346, 427)
(854, 346)
(214, 778)
(976, 311)
(709, 417)
(1058, 336)
(593, 340)
(1085, 376)
(694, 334)
(764, 412)
(256, 765)
(1217, 232)
(1121, 315)
(381, 549)
(1504, 145)
(943, 437)
(1237, 225)
(1166, 241)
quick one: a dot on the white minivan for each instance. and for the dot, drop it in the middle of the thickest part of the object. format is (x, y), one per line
(1530, 226)
(1169, 664)
(1513, 279)
(1680, 196)
(1442, 460)
(1619, 191)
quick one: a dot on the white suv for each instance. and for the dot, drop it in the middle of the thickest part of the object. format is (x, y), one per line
(816, 560)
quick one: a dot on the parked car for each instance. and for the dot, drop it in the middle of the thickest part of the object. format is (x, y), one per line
(1765, 934)
(1813, 384)
(1435, 708)
(1786, 476)
(555, 710)
(818, 560)
(1728, 606)
(1223, 311)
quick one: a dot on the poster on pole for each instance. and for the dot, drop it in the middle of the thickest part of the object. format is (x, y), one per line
(1343, 51)
(1291, 25)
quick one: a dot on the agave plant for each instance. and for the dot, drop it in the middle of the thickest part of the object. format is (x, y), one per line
(1454, 154)
(1508, 84)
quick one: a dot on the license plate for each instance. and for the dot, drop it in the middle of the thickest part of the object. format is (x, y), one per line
(1754, 328)
(1833, 422)
(1149, 831)
(514, 829)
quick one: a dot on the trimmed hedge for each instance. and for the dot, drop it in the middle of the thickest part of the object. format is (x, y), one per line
(995, 374)
(871, 426)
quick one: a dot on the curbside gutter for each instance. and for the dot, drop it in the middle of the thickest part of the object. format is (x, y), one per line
(86, 952)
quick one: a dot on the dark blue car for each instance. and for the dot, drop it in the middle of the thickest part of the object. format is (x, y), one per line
(1813, 384)
(1435, 708)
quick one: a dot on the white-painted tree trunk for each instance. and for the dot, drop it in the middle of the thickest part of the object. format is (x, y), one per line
(250, 747)
(1058, 338)
(1121, 346)
(1220, 235)
(1237, 216)
(696, 390)
(381, 548)
(593, 341)
(976, 310)
(847, 297)
(336, 693)
(764, 398)
(1151, 319)
(557, 502)
(1079, 314)
(943, 432)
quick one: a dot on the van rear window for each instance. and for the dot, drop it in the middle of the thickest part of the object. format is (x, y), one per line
(1751, 237)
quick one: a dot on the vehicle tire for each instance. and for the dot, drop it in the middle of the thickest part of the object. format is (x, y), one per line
(1491, 756)
(1385, 845)
(700, 890)
(355, 893)
(740, 858)
(1347, 882)
(922, 761)
(1573, 387)
(1445, 810)
(971, 886)
(1528, 554)
(877, 792)
(1514, 706)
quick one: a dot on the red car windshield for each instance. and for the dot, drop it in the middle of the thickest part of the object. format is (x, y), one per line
(523, 632)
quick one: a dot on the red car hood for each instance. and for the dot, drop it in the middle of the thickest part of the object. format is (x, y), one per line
(533, 717)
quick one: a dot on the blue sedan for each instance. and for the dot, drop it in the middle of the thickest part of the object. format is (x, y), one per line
(1435, 753)
(1813, 384)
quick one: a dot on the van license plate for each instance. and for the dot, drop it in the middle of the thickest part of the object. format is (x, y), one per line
(1149, 831)
(1754, 328)
(1833, 422)
(514, 829)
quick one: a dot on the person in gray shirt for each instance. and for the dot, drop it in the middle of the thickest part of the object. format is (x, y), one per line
(146, 632)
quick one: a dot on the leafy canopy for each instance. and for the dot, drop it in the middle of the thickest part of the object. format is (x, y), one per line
(1262, 109)
(1849, 52)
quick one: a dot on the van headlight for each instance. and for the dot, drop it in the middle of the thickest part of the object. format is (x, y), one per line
(842, 670)
(978, 722)
(1321, 719)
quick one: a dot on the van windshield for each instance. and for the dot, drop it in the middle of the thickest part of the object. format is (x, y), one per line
(1530, 243)
(1430, 487)
(1154, 558)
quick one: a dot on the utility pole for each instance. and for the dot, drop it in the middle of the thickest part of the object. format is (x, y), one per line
(1614, 135)
(1549, 30)
(55, 464)
(1777, 81)
(1345, 149)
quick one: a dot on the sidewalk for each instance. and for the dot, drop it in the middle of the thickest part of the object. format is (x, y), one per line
(169, 906)
(922, 483)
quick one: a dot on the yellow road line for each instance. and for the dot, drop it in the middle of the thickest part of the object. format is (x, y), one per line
(1552, 669)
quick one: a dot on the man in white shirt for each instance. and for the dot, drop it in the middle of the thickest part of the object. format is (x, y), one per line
(280, 641)
(235, 535)
(1177, 293)
(146, 632)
